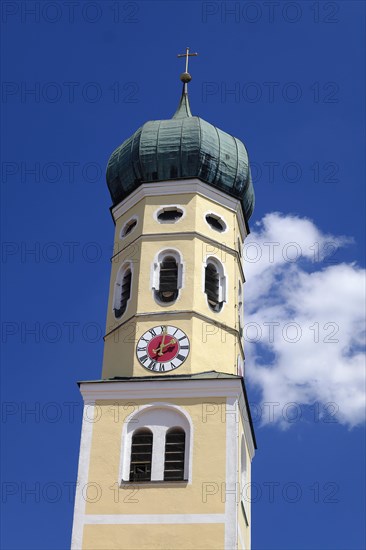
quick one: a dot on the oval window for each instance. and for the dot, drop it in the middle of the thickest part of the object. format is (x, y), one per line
(215, 222)
(128, 227)
(169, 215)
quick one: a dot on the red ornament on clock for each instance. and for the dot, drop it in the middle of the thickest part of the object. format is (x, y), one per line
(163, 348)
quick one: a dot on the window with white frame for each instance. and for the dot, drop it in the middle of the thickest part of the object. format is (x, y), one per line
(167, 276)
(157, 443)
(122, 291)
(169, 214)
(215, 284)
(215, 222)
(128, 227)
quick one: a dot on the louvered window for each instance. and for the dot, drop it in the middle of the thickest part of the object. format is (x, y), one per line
(212, 287)
(174, 455)
(125, 294)
(168, 280)
(141, 455)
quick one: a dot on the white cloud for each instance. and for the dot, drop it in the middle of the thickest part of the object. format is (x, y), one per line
(304, 318)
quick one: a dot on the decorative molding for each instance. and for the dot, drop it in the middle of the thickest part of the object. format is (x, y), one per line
(192, 312)
(181, 187)
(150, 519)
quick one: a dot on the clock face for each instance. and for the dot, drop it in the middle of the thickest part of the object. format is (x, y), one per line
(162, 348)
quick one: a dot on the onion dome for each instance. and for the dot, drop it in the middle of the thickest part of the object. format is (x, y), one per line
(182, 147)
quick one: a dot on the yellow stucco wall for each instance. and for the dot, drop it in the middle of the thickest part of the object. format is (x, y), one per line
(195, 206)
(195, 240)
(209, 464)
(163, 537)
(211, 347)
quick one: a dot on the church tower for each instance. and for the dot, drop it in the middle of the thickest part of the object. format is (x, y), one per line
(167, 438)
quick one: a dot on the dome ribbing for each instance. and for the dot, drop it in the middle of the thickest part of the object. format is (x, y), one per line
(182, 147)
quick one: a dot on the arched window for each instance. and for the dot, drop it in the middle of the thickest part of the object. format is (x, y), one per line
(167, 276)
(157, 438)
(175, 441)
(214, 284)
(123, 292)
(141, 455)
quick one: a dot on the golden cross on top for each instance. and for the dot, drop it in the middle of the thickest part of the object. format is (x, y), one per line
(186, 55)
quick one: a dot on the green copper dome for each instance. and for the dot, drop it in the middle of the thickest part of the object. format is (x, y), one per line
(185, 146)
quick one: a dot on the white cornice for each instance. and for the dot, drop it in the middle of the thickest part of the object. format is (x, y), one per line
(181, 187)
(204, 387)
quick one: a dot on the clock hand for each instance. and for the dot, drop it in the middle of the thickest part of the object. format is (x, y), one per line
(172, 341)
(164, 334)
(159, 350)
(162, 342)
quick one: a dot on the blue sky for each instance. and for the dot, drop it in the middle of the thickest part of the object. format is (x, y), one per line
(286, 79)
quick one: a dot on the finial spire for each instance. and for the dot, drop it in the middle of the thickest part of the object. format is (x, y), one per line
(186, 77)
(183, 107)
